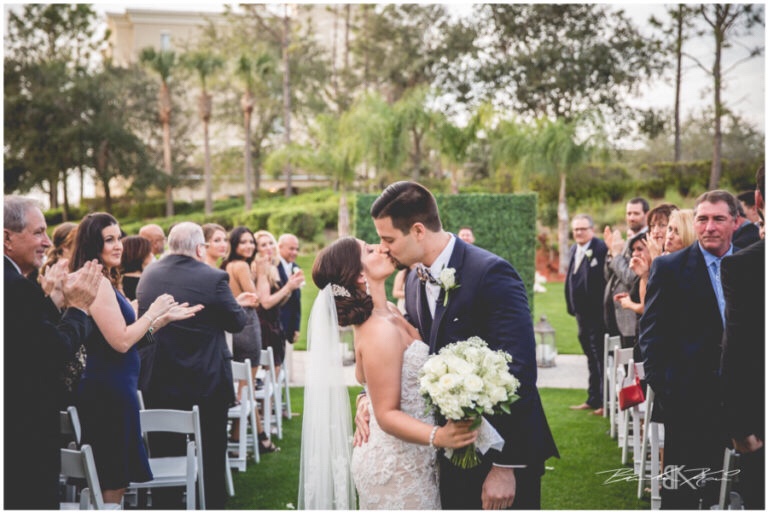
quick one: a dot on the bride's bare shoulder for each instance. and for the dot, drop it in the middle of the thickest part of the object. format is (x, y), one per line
(378, 331)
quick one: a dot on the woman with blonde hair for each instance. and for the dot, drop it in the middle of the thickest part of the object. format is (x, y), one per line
(680, 232)
(216, 244)
(272, 293)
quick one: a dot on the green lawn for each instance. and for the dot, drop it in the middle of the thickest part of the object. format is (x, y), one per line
(572, 482)
(552, 304)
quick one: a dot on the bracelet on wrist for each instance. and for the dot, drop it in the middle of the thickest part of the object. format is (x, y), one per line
(432, 436)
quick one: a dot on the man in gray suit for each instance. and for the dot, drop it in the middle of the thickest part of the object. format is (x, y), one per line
(618, 276)
(192, 364)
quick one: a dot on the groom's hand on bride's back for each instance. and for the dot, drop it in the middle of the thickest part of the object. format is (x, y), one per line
(362, 419)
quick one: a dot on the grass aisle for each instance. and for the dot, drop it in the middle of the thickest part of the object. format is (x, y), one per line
(573, 482)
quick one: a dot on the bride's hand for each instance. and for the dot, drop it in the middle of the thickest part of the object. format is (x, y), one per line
(362, 420)
(455, 434)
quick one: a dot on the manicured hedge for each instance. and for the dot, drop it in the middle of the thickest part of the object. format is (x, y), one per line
(504, 224)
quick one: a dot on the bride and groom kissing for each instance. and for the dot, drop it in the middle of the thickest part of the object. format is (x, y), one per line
(394, 463)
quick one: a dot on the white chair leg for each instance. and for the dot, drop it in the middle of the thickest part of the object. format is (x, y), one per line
(230, 482)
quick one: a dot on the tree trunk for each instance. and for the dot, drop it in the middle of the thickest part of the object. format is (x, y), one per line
(165, 118)
(287, 99)
(65, 196)
(246, 103)
(53, 191)
(343, 212)
(717, 143)
(101, 171)
(562, 226)
(206, 106)
(416, 155)
(678, 77)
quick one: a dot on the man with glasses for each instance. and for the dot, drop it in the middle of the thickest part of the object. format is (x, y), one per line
(584, 287)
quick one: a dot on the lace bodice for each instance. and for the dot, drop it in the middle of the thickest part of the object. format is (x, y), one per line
(393, 474)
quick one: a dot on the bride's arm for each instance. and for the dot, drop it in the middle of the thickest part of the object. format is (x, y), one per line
(382, 358)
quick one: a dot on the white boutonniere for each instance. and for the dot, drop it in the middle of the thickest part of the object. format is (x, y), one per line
(447, 281)
(588, 254)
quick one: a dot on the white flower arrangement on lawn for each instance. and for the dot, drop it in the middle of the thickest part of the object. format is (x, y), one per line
(465, 380)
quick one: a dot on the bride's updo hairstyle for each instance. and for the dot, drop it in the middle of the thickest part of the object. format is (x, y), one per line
(340, 264)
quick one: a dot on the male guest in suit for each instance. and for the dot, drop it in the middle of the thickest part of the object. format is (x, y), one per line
(490, 302)
(743, 362)
(192, 364)
(746, 232)
(584, 288)
(38, 343)
(680, 336)
(619, 277)
(290, 312)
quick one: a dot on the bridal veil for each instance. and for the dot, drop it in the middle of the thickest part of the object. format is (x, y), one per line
(325, 481)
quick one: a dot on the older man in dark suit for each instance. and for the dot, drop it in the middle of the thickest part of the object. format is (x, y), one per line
(743, 361)
(584, 288)
(290, 312)
(490, 302)
(680, 335)
(192, 364)
(38, 342)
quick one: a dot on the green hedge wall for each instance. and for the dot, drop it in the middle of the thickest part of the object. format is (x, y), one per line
(504, 224)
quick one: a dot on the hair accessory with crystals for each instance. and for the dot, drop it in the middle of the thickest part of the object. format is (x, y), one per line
(339, 291)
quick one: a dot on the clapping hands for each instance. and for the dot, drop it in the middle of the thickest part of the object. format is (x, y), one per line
(77, 289)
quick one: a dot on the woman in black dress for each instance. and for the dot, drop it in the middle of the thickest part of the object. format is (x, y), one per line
(107, 398)
(272, 294)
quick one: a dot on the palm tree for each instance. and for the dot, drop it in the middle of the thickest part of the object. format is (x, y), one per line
(551, 148)
(251, 71)
(204, 63)
(162, 63)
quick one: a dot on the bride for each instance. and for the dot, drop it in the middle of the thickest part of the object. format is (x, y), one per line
(396, 468)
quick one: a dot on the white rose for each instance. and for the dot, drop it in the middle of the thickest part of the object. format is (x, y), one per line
(473, 383)
(448, 277)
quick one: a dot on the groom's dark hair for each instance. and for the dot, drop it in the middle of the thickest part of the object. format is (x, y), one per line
(406, 203)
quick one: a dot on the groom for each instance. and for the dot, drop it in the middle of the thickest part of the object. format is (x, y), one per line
(490, 302)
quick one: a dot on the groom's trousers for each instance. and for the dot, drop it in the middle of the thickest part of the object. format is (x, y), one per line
(461, 489)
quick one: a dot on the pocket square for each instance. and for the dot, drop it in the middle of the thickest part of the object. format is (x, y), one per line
(593, 263)
(456, 319)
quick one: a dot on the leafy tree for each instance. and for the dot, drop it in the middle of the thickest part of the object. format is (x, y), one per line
(557, 60)
(402, 46)
(162, 62)
(48, 46)
(726, 21)
(204, 63)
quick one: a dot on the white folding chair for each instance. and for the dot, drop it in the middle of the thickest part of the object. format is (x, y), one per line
(651, 445)
(245, 412)
(621, 357)
(729, 500)
(611, 344)
(80, 464)
(284, 390)
(176, 471)
(268, 396)
(630, 424)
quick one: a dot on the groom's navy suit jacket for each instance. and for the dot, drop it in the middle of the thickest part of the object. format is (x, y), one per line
(491, 302)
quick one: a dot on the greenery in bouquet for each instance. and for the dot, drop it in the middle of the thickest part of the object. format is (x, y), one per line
(466, 380)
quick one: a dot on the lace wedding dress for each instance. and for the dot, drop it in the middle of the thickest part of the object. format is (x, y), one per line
(393, 474)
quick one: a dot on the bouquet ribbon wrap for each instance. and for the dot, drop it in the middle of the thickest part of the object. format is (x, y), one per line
(487, 438)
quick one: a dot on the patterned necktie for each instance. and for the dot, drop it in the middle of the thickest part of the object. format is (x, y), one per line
(424, 275)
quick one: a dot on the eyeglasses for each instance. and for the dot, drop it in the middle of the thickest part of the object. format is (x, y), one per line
(204, 244)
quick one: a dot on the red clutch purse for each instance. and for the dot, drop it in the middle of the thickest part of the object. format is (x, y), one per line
(631, 395)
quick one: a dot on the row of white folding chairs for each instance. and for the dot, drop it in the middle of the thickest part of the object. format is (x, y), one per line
(186, 470)
(632, 428)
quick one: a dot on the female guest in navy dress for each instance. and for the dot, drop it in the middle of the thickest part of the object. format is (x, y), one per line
(107, 399)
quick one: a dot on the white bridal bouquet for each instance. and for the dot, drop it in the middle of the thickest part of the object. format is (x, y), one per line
(465, 380)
